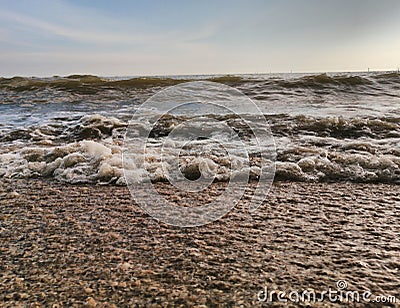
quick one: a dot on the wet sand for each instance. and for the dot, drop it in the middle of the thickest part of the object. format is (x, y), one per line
(91, 245)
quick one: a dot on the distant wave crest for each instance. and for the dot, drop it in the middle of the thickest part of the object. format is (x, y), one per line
(89, 84)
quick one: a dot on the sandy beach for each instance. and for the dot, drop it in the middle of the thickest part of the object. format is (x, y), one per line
(70, 245)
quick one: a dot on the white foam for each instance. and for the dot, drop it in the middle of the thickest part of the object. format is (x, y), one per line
(107, 172)
(101, 161)
(207, 167)
(96, 149)
(72, 159)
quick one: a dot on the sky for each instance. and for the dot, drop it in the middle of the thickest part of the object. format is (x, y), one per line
(158, 37)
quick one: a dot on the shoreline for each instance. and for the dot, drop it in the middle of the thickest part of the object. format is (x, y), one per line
(75, 245)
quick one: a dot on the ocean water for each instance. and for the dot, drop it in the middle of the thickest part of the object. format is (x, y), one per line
(326, 127)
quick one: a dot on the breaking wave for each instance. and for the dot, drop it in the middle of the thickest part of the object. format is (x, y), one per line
(308, 149)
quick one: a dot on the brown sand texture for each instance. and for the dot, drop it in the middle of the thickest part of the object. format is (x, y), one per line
(87, 245)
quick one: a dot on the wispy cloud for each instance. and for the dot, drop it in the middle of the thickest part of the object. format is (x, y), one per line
(73, 33)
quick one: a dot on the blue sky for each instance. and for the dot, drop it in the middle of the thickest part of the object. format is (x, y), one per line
(111, 38)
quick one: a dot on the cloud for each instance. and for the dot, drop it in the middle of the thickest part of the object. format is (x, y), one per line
(74, 33)
(85, 31)
(56, 37)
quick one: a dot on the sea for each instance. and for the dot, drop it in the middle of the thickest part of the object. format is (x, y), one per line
(325, 127)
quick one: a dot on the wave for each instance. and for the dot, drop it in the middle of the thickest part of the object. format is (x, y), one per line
(91, 161)
(90, 127)
(340, 80)
(308, 149)
(395, 76)
(318, 165)
(97, 127)
(52, 127)
(89, 84)
(324, 80)
(82, 84)
(336, 126)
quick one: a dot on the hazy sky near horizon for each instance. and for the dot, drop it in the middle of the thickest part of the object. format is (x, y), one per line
(126, 38)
